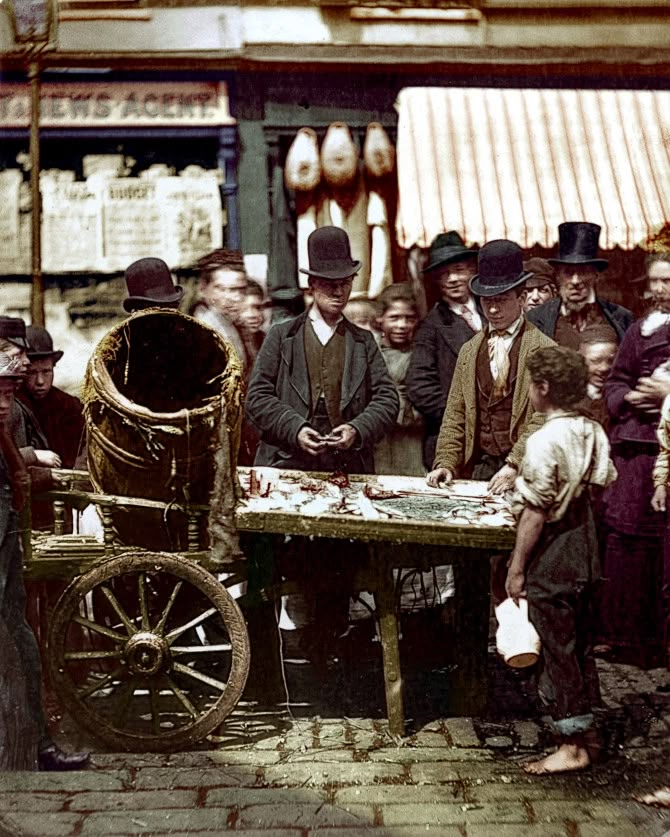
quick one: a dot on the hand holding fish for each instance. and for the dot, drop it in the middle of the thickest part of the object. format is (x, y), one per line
(311, 441)
(341, 437)
(439, 478)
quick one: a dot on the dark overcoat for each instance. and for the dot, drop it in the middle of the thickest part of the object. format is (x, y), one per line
(438, 342)
(546, 316)
(278, 398)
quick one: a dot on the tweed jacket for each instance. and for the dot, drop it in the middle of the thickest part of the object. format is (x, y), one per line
(458, 434)
(278, 398)
(438, 342)
(546, 316)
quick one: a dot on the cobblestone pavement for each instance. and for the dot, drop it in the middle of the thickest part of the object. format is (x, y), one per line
(310, 771)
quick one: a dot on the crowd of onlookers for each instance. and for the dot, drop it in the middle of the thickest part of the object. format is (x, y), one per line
(367, 386)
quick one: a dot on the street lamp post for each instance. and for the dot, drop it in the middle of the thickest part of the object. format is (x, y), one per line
(34, 26)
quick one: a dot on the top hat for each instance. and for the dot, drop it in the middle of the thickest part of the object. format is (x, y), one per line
(542, 273)
(13, 329)
(578, 244)
(150, 285)
(446, 248)
(500, 268)
(41, 344)
(11, 367)
(329, 254)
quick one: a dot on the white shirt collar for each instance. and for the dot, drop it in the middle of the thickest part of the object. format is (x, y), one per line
(653, 321)
(511, 330)
(321, 328)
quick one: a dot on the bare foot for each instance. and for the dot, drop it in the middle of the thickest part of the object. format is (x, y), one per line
(568, 757)
(659, 797)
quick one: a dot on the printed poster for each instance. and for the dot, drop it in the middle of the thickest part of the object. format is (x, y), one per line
(71, 227)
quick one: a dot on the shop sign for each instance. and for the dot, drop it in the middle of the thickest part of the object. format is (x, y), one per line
(118, 104)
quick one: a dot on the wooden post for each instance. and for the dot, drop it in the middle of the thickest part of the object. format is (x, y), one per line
(37, 293)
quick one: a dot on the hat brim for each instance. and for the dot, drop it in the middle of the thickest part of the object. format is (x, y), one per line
(479, 289)
(448, 256)
(57, 355)
(599, 264)
(335, 274)
(136, 303)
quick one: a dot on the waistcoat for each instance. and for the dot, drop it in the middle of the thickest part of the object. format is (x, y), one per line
(495, 417)
(325, 365)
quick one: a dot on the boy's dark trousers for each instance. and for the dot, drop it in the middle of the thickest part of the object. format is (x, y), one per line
(560, 581)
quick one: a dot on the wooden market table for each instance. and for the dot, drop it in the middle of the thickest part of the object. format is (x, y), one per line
(394, 544)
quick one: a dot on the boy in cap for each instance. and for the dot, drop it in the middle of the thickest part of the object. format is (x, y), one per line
(541, 286)
(14, 492)
(454, 320)
(555, 559)
(577, 308)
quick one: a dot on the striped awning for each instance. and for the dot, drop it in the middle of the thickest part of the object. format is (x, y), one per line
(500, 163)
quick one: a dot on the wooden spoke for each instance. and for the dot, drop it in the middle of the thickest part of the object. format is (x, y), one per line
(92, 655)
(142, 594)
(155, 709)
(181, 697)
(120, 612)
(95, 687)
(99, 629)
(198, 675)
(177, 632)
(123, 696)
(184, 650)
(160, 627)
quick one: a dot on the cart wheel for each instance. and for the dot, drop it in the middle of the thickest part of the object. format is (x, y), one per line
(148, 651)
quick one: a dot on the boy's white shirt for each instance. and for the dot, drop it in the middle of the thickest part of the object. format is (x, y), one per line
(568, 453)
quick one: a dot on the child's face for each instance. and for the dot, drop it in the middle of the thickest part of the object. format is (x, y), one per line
(7, 390)
(398, 324)
(599, 358)
(252, 313)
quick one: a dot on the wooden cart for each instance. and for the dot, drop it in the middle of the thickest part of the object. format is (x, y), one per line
(149, 651)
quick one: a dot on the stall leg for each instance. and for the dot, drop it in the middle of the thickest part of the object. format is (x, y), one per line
(388, 627)
(468, 694)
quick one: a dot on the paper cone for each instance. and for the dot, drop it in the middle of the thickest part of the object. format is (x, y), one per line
(378, 151)
(339, 156)
(302, 170)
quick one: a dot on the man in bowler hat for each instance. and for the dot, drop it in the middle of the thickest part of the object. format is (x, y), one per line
(454, 319)
(489, 416)
(321, 397)
(577, 307)
(320, 394)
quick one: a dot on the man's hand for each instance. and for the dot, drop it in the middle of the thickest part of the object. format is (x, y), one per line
(658, 501)
(311, 441)
(47, 458)
(515, 585)
(439, 477)
(656, 388)
(342, 437)
(503, 480)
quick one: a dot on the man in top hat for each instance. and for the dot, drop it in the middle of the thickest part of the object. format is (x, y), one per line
(489, 415)
(577, 307)
(320, 394)
(149, 283)
(454, 320)
(14, 492)
(541, 286)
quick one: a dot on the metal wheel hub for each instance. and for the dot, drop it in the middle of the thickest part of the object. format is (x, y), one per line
(146, 653)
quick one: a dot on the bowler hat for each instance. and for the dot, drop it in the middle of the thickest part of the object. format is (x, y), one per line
(446, 248)
(542, 273)
(578, 244)
(11, 367)
(500, 267)
(150, 285)
(13, 329)
(329, 254)
(41, 344)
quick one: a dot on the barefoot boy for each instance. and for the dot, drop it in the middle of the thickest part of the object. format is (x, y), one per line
(555, 560)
